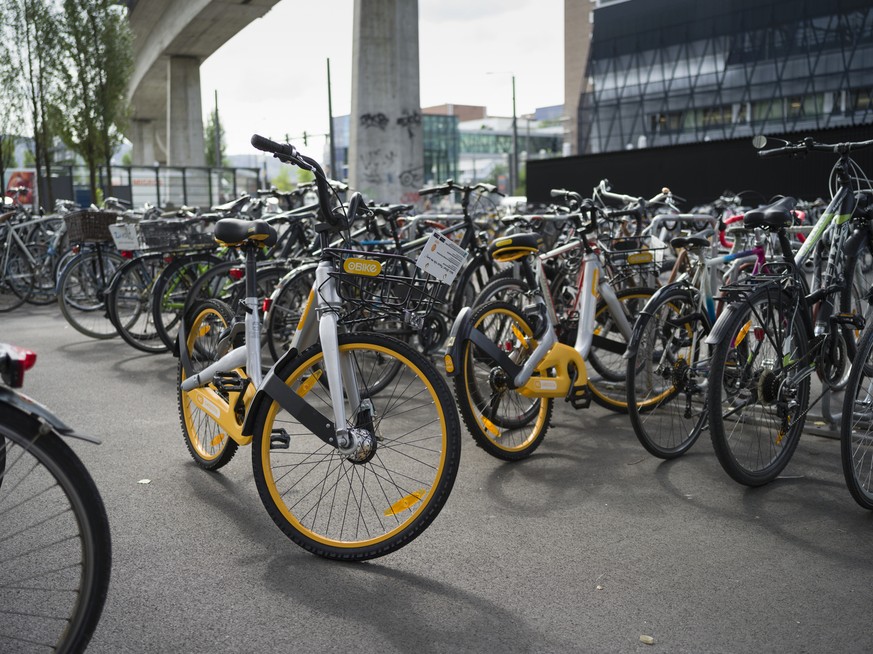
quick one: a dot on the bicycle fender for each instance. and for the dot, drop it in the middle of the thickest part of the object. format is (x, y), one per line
(655, 300)
(457, 337)
(721, 323)
(38, 413)
(463, 331)
(273, 388)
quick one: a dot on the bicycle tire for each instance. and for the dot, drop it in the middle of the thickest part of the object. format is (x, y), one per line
(856, 424)
(209, 446)
(82, 292)
(855, 295)
(472, 278)
(749, 386)
(130, 303)
(170, 292)
(519, 430)
(16, 278)
(356, 510)
(286, 308)
(666, 376)
(53, 588)
(607, 369)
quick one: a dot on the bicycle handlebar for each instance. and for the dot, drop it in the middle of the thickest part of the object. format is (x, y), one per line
(450, 186)
(288, 153)
(809, 144)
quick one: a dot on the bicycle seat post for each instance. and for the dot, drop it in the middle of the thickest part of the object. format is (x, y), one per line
(252, 317)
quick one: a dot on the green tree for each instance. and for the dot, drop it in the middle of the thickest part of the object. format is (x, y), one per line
(282, 180)
(92, 111)
(209, 137)
(27, 70)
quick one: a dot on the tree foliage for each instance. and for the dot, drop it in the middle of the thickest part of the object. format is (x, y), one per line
(212, 123)
(29, 60)
(90, 108)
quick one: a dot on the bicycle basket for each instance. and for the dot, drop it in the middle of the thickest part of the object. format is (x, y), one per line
(163, 234)
(633, 251)
(90, 226)
(383, 285)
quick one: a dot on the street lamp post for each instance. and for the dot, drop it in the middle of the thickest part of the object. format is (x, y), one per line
(513, 170)
(513, 160)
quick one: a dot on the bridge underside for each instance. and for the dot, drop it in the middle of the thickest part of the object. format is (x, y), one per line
(171, 39)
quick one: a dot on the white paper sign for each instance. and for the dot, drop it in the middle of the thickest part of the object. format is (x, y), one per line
(125, 237)
(441, 258)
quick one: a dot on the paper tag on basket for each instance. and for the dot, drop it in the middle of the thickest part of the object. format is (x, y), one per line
(125, 237)
(441, 258)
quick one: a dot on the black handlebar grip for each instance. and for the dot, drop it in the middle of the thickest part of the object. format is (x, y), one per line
(432, 190)
(266, 145)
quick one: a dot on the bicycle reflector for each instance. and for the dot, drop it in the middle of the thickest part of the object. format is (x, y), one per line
(14, 361)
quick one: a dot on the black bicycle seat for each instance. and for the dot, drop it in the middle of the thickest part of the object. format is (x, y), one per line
(777, 215)
(233, 231)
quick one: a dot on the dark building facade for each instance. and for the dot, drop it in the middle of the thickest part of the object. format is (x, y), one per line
(671, 72)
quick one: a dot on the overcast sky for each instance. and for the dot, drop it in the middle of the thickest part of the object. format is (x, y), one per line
(271, 78)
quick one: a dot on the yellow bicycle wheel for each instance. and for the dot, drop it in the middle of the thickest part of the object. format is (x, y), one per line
(366, 503)
(503, 422)
(209, 446)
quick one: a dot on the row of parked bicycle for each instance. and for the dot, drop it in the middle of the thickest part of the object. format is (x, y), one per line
(721, 318)
(717, 319)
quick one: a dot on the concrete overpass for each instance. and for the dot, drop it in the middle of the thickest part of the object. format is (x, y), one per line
(171, 39)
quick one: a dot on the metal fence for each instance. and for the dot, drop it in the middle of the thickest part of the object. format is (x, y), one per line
(162, 186)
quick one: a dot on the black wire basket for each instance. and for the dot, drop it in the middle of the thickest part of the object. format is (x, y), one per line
(168, 234)
(377, 285)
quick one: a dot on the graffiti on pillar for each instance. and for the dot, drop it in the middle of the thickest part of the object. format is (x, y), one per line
(410, 120)
(377, 165)
(379, 120)
(413, 177)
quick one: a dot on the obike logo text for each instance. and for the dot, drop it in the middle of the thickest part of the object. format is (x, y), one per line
(362, 267)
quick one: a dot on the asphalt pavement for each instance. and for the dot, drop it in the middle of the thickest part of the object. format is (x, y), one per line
(587, 546)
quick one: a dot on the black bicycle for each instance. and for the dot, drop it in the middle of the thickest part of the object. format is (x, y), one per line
(55, 549)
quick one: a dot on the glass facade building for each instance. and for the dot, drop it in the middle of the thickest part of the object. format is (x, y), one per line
(668, 72)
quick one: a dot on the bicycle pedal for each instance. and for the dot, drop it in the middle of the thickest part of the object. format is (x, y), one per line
(279, 440)
(230, 382)
(851, 319)
(579, 397)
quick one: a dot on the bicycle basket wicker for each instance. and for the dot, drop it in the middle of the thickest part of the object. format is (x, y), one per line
(383, 285)
(90, 226)
(163, 234)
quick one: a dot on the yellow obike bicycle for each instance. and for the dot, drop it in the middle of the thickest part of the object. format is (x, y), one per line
(507, 360)
(355, 442)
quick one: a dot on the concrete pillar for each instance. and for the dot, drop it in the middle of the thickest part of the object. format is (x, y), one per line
(146, 146)
(386, 148)
(184, 114)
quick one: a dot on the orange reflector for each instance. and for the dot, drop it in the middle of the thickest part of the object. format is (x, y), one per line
(405, 502)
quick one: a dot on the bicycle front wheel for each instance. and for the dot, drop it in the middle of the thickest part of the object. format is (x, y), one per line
(666, 375)
(16, 276)
(856, 424)
(342, 506)
(759, 386)
(83, 288)
(130, 302)
(55, 548)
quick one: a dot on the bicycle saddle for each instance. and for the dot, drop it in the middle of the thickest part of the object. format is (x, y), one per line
(690, 242)
(233, 231)
(510, 248)
(772, 216)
